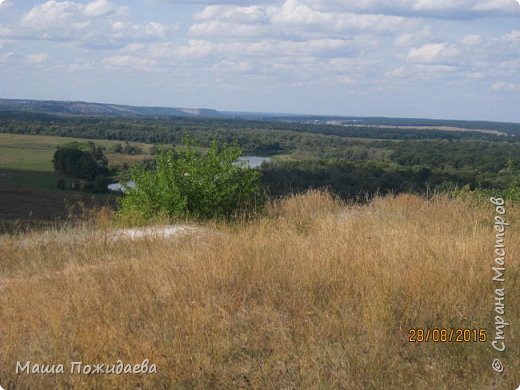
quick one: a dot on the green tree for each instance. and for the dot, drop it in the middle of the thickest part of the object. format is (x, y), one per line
(60, 184)
(188, 183)
(87, 167)
(79, 163)
(101, 184)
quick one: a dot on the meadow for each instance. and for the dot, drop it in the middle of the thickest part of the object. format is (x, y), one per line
(314, 293)
(34, 152)
(28, 192)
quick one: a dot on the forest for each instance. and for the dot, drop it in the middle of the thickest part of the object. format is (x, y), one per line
(352, 162)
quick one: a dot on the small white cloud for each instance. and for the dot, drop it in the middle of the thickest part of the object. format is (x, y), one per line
(218, 28)
(233, 67)
(496, 5)
(133, 47)
(432, 53)
(36, 58)
(396, 73)
(404, 40)
(472, 40)
(196, 49)
(512, 38)
(346, 80)
(6, 57)
(129, 62)
(507, 87)
(79, 66)
(98, 8)
(450, 9)
(510, 66)
(474, 75)
(234, 14)
(412, 38)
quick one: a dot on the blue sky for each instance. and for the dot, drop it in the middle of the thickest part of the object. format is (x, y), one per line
(414, 58)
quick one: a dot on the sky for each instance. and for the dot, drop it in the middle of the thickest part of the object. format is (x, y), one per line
(451, 59)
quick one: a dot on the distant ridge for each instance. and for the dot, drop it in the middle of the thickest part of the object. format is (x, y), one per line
(24, 107)
(85, 108)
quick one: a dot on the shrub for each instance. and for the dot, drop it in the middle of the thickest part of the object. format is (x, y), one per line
(187, 183)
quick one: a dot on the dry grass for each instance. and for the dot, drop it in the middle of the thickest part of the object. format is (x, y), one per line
(315, 294)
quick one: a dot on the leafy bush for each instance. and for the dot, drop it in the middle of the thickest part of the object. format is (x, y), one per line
(510, 192)
(187, 183)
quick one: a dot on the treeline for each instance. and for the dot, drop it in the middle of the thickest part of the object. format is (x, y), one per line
(171, 130)
(506, 127)
(363, 179)
(483, 157)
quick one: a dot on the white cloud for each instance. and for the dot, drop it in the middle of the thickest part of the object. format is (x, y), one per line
(285, 48)
(506, 86)
(133, 47)
(250, 14)
(497, 5)
(432, 53)
(451, 9)
(471, 40)
(196, 49)
(52, 15)
(290, 18)
(396, 73)
(98, 23)
(233, 66)
(512, 38)
(295, 12)
(36, 58)
(474, 75)
(80, 66)
(99, 8)
(4, 58)
(411, 38)
(511, 67)
(220, 2)
(218, 28)
(127, 61)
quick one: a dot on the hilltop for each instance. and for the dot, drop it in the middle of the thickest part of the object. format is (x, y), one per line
(313, 294)
(94, 109)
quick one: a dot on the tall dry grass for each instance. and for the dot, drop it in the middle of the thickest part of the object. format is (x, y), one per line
(315, 294)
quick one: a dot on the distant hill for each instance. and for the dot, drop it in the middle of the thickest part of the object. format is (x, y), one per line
(84, 108)
(77, 108)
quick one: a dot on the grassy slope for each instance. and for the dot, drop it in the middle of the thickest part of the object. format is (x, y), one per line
(313, 295)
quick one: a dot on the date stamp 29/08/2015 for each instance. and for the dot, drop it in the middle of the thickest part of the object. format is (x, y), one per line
(447, 335)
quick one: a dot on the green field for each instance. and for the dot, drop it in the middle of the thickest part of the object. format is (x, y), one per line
(34, 152)
(28, 184)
